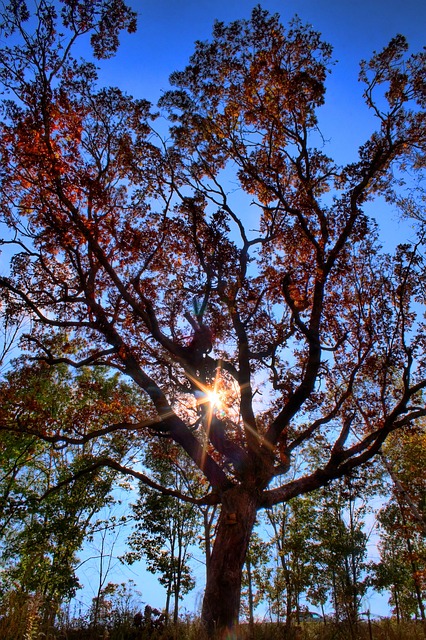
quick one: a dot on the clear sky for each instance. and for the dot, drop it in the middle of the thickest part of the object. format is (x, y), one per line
(168, 29)
(165, 40)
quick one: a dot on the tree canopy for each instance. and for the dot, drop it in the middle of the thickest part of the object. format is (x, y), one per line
(233, 257)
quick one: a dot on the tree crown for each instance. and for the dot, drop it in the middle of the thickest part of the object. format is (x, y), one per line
(117, 233)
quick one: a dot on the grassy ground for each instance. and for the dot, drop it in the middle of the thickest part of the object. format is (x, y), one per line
(379, 630)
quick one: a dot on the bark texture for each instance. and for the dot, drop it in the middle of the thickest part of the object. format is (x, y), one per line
(222, 595)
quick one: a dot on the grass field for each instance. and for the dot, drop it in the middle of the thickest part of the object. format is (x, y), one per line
(384, 629)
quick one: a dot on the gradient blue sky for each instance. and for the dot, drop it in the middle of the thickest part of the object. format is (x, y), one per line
(165, 40)
(168, 29)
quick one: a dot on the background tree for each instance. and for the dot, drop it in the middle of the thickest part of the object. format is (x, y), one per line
(255, 577)
(402, 566)
(102, 539)
(44, 518)
(399, 568)
(114, 235)
(340, 549)
(115, 607)
(292, 525)
(404, 458)
(165, 528)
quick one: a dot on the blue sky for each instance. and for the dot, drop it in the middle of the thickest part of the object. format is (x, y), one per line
(168, 29)
(165, 40)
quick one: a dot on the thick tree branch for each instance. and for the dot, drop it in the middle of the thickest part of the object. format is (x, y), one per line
(110, 463)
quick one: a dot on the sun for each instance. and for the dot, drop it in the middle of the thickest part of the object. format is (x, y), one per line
(213, 398)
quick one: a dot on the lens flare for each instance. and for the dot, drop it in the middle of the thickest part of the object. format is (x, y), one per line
(213, 398)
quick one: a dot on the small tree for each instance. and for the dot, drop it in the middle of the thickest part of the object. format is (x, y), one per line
(292, 525)
(398, 568)
(402, 568)
(115, 607)
(44, 517)
(255, 576)
(165, 528)
(340, 548)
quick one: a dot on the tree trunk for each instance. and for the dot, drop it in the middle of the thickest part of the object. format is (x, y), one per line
(414, 568)
(168, 598)
(335, 599)
(223, 589)
(289, 618)
(250, 598)
(208, 520)
(396, 600)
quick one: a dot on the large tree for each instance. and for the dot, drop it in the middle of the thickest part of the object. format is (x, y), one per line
(308, 333)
